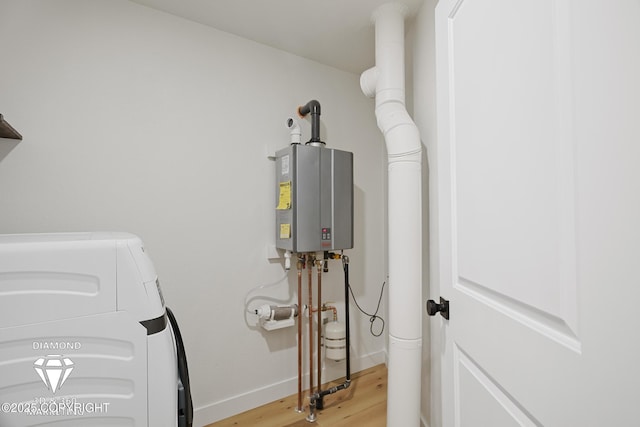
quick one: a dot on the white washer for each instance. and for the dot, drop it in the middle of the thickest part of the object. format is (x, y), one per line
(84, 335)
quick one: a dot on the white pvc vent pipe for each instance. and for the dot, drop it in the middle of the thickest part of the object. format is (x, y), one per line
(385, 81)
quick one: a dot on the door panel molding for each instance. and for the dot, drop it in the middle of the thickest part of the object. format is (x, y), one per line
(542, 322)
(512, 160)
(487, 403)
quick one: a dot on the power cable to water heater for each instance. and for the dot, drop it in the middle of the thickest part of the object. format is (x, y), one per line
(372, 317)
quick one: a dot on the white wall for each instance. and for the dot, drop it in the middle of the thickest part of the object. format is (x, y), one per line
(422, 39)
(139, 121)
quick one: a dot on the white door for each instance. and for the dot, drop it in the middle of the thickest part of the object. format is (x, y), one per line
(537, 179)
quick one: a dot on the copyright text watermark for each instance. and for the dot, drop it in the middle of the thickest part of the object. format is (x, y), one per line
(55, 407)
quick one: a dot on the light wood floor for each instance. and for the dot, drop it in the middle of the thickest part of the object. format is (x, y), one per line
(364, 403)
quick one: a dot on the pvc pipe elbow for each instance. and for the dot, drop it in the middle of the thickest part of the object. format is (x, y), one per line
(294, 128)
(369, 82)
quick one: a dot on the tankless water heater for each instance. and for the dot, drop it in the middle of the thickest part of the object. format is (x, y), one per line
(314, 199)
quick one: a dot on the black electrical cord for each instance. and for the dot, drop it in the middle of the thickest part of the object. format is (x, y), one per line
(185, 404)
(372, 317)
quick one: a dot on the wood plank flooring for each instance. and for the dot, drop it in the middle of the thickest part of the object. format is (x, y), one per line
(364, 403)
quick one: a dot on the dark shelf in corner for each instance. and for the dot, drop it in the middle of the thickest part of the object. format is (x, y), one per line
(6, 131)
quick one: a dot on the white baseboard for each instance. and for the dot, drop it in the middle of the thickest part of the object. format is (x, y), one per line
(233, 405)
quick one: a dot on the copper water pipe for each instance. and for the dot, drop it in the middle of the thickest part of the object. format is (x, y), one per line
(299, 266)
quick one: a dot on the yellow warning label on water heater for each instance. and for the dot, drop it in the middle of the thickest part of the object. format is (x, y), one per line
(284, 200)
(285, 231)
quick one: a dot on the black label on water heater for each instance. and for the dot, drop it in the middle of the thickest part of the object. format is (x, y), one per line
(326, 233)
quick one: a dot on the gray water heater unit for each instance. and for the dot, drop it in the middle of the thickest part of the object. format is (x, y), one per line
(314, 206)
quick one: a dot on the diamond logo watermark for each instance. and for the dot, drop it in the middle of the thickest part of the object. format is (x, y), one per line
(53, 369)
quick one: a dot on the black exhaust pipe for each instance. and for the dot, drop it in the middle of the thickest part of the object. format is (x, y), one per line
(312, 107)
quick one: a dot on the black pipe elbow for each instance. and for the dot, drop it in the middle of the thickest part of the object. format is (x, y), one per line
(312, 107)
